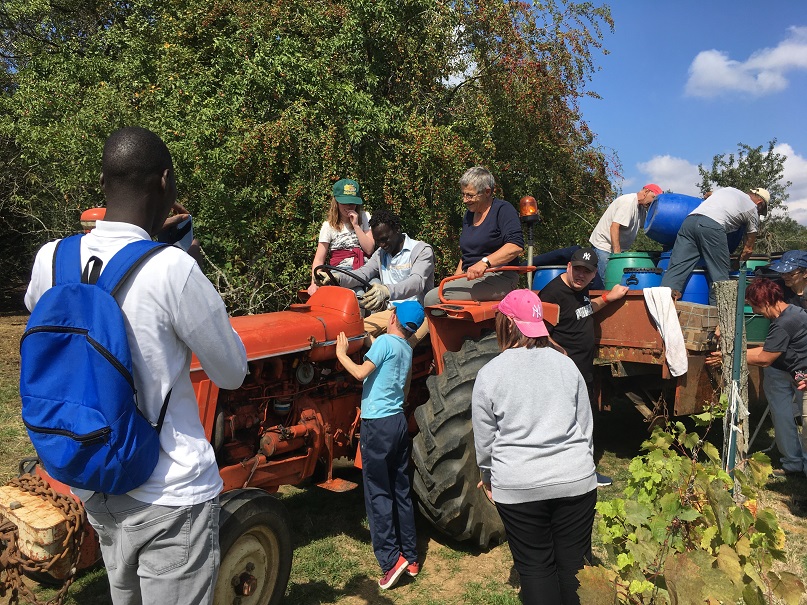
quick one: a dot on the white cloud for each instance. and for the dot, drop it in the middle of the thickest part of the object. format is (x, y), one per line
(713, 73)
(673, 174)
(795, 171)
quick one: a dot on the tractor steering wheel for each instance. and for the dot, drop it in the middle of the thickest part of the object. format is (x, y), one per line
(328, 268)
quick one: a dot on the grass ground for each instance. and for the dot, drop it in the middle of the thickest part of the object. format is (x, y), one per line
(333, 560)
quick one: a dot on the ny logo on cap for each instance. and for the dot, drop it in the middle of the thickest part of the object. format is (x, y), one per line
(536, 311)
(586, 256)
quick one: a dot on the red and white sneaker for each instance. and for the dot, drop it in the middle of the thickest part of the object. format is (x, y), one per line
(413, 569)
(390, 579)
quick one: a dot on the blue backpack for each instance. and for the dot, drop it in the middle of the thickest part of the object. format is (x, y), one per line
(79, 403)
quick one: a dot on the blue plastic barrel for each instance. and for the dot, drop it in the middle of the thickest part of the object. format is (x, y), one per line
(696, 289)
(664, 261)
(543, 275)
(666, 215)
(638, 278)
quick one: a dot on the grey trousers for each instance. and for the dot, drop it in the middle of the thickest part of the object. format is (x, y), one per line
(157, 554)
(698, 237)
(493, 286)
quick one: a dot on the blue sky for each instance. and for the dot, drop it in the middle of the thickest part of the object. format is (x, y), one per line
(687, 80)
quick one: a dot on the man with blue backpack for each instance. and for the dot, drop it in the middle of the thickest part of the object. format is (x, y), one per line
(145, 471)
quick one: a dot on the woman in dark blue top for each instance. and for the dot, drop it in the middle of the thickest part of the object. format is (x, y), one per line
(491, 237)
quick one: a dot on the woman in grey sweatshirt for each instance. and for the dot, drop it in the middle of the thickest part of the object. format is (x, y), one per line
(533, 437)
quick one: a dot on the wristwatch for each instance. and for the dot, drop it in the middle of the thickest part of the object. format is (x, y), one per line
(486, 261)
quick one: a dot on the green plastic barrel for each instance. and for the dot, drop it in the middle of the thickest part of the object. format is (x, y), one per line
(757, 260)
(620, 261)
(756, 326)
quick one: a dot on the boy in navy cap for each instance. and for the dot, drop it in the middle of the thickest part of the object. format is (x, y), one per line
(385, 444)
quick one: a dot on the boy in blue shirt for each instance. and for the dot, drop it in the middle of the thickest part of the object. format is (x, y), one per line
(385, 444)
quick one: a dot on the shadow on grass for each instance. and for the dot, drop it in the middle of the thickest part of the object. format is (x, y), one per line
(318, 513)
(358, 587)
(794, 488)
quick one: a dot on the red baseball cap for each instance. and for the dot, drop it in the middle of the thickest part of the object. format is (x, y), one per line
(653, 187)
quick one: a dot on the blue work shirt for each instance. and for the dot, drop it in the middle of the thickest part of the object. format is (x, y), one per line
(395, 269)
(383, 392)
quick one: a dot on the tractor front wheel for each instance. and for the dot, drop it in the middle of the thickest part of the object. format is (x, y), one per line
(446, 474)
(256, 549)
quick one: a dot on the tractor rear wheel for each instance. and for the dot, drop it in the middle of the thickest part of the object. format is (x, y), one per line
(446, 474)
(256, 549)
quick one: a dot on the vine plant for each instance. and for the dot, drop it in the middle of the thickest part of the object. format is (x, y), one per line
(679, 537)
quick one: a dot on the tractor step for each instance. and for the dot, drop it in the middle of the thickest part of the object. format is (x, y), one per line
(338, 485)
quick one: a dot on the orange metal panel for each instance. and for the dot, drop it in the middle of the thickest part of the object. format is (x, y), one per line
(626, 323)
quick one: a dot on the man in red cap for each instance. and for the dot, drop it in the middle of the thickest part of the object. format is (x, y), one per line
(619, 225)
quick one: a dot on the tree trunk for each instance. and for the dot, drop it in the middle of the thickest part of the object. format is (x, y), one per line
(726, 295)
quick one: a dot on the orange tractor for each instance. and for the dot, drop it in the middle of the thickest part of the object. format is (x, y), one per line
(296, 412)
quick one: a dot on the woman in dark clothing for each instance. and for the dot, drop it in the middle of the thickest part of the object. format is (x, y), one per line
(491, 237)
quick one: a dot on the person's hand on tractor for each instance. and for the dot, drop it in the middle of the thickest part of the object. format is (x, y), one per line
(341, 344)
(375, 299)
(476, 270)
(617, 292)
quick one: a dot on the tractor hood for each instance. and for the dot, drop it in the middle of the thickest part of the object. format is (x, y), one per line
(304, 327)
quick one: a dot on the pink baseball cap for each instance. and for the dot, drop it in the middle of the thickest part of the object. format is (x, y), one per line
(525, 308)
(653, 187)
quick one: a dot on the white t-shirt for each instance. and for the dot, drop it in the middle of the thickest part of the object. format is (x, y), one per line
(626, 211)
(731, 208)
(171, 309)
(344, 239)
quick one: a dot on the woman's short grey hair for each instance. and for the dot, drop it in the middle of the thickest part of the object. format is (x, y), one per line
(479, 178)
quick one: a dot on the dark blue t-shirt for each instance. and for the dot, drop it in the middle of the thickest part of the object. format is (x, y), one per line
(501, 226)
(788, 336)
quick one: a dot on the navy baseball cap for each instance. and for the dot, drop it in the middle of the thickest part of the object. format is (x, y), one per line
(585, 257)
(410, 314)
(791, 260)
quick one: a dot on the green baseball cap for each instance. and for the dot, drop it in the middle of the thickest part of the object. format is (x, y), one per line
(347, 191)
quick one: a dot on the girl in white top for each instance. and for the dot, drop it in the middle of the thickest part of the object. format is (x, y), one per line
(346, 233)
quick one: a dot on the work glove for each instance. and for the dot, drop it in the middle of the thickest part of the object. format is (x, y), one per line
(323, 279)
(375, 299)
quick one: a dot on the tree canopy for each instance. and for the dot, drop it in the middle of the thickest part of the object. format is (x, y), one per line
(264, 104)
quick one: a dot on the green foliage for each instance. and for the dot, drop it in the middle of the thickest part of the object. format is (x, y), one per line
(678, 536)
(265, 104)
(749, 169)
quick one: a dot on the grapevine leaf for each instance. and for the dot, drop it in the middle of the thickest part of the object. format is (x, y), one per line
(787, 587)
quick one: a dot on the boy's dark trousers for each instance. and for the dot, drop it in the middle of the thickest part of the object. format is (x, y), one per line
(385, 447)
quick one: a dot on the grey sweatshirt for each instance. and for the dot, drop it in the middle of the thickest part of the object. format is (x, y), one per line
(533, 427)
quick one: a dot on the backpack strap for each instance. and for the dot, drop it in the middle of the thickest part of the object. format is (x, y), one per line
(67, 260)
(124, 263)
(158, 427)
